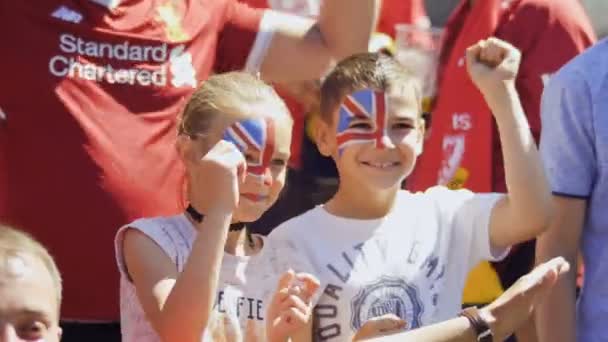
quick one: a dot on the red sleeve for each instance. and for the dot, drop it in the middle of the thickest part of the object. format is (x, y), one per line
(399, 11)
(549, 34)
(237, 37)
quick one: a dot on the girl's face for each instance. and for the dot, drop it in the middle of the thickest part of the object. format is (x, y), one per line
(265, 143)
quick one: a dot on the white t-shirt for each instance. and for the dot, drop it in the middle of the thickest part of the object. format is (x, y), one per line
(411, 263)
(245, 284)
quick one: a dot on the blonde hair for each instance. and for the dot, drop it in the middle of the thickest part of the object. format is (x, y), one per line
(228, 94)
(377, 71)
(16, 241)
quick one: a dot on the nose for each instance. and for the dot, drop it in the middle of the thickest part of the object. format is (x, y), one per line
(261, 174)
(384, 141)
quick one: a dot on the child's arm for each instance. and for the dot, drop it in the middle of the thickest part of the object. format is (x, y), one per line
(289, 315)
(178, 305)
(504, 315)
(524, 213)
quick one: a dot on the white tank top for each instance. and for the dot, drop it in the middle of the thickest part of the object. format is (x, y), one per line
(245, 284)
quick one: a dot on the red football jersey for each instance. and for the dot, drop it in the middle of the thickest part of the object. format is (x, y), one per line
(395, 12)
(295, 108)
(549, 34)
(91, 94)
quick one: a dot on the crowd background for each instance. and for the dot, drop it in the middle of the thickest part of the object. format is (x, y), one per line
(439, 11)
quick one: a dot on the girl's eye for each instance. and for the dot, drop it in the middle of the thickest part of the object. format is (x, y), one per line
(360, 125)
(279, 162)
(250, 158)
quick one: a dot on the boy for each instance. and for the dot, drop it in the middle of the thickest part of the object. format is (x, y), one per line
(30, 290)
(379, 250)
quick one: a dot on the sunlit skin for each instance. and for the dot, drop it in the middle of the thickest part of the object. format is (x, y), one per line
(373, 166)
(29, 308)
(266, 167)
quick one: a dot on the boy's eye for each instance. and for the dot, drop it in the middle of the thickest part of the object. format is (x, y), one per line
(279, 162)
(403, 125)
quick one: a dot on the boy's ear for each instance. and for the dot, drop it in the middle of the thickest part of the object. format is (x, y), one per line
(324, 138)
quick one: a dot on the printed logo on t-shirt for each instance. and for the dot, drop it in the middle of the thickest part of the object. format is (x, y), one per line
(387, 295)
(96, 61)
(236, 317)
(453, 152)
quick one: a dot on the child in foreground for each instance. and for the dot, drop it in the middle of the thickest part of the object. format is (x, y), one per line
(380, 250)
(201, 275)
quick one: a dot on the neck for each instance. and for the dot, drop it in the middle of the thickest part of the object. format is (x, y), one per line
(357, 202)
(238, 243)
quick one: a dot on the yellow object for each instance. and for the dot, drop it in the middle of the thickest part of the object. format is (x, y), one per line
(459, 179)
(482, 286)
(381, 41)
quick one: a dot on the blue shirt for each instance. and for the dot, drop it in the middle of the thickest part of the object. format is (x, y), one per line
(574, 147)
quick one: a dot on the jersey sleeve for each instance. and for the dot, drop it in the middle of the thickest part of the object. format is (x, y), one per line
(468, 215)
(244, 38)
(567, 143)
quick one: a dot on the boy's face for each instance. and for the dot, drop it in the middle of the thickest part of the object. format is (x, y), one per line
(28, 305)
(375, 137)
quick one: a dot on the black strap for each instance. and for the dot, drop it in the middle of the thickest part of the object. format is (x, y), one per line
(198, 217)
(235, 227)
(194, 214)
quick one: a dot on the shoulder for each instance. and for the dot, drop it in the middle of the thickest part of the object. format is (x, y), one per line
(143, 244)
(587, 71)
(529, 19)
(550, 10)
(300, 225)
(447, 203)
(157, 227)
(441, 194)
(170, 235)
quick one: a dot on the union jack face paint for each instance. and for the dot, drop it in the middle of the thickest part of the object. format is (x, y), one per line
(254, 135)
(368, 105)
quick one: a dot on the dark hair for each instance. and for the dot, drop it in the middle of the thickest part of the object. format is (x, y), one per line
(377, 71)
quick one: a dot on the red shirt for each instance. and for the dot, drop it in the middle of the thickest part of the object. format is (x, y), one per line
(296, 109)
(91, 95)
(400, 12)
(548, 33)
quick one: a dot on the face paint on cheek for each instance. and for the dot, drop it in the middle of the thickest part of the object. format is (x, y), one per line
(255, 135)
(366, 105)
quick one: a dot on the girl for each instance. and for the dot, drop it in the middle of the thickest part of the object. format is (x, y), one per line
(201, 274)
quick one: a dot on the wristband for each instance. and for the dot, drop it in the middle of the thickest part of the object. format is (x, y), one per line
(481, 327)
